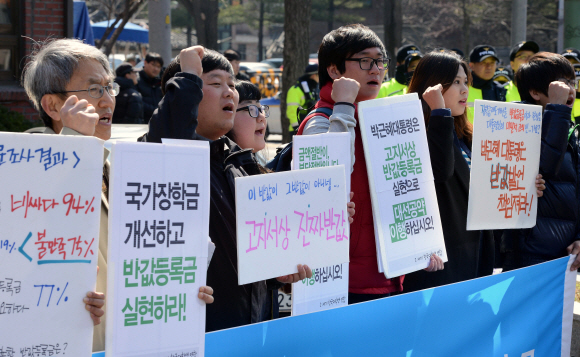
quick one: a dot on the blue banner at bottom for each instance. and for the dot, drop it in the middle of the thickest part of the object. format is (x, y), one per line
(522, 313)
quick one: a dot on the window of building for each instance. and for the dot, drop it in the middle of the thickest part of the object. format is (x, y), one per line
(10, 19)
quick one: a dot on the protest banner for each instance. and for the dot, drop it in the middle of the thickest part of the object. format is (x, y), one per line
(520, 313)
(506, 142)
(328, 287)
(50, 200)
(405, 210)
(289, 218)
(158, 247)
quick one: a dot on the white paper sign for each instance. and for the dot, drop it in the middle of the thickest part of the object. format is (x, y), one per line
(290, 218)
(158, 229)
(405, 209)
(50, 197)
(328, 287)
(505, 161)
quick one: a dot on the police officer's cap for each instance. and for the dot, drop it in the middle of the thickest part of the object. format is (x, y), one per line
(481, 52)
(524, 46)
(458, 51)
(311, 69)
(571, 53)
(503, 72)
(406, 50)
(412, 57)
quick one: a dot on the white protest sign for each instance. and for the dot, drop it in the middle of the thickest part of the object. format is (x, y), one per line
(506, 143)
(328, 287)
(405, 209)
(290, 218)
(158, 229)
(50, 197)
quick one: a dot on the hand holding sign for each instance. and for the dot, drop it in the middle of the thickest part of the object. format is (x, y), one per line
(79, 115)
(434, 97)
(190, 59)
(94, 303)
(303, 272)
(345, 90)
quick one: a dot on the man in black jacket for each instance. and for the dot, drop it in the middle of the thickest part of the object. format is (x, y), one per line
(149, 84)
(199, 104)
(129, 108)
(548, 80)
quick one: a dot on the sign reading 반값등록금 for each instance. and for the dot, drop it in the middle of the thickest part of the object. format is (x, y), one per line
(158, 229)
(405, 210)
(290, 218)
(504, 163)
(328, 286)
(50, 204)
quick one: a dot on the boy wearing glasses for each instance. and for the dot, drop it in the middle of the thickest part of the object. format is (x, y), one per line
(352, 62)
(548, 80)
(519, 55)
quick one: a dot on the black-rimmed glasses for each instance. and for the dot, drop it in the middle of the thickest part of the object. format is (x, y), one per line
(254, 110)
(571, 82)
(96, 90)
(366, 63)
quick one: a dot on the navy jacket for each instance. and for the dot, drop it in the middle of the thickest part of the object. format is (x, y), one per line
(559, 208)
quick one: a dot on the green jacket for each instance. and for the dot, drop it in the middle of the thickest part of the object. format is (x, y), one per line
(391, 88)
(512, 94)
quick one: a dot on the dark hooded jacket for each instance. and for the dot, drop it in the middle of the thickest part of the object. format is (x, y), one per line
(557, 222)
(150, 89)
(129, 103)
(176, 118)
(489, 90)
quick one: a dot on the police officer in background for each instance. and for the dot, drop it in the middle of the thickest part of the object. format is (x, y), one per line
(503, 76)
(411, 63)
(483, 62)
(399, 83)
(302, 94)
(573, 56)
(519, 55)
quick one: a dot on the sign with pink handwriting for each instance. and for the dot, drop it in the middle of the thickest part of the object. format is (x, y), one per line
(328, 287)
(405, 209)
(50, 202)
(505, 160)
(158, 249)
(290, 218)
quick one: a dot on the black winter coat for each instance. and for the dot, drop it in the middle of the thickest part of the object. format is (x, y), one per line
(129, 103)
(557, 223)
(489, 90)
(176, 118)
(150, 89)
(470, 253)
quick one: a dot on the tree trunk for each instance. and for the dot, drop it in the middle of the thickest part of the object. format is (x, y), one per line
(261, 32)
(130, 9)
(466, 39)
(393, 28)
(205, 17)
(296, 40)
(108, 31)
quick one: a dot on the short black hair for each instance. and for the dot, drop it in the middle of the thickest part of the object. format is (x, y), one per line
(232, 55)
(542, 69)
(211, 60)
(342, 43)
(248, 91)
(154, 57)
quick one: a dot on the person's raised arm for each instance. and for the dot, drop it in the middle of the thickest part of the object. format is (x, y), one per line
(176, 115)
(440, 134)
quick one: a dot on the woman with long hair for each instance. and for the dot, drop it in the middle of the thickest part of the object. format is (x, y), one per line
(442, 80)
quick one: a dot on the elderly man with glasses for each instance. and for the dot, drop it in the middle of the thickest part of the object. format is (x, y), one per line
(71, 85)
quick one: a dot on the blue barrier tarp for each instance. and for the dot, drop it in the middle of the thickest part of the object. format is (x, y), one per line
(82, 23)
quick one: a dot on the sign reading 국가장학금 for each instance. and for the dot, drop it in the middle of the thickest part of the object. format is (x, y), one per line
(328, 287)
(158, 248)
(504, 163)
(289, 218)
(50, 203)
(405, 210)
